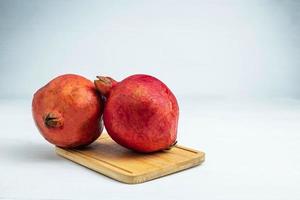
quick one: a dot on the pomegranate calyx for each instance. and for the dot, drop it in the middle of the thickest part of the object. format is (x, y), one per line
(53, 120)
(104, 84)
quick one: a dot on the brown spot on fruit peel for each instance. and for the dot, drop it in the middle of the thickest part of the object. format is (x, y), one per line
(171, 146)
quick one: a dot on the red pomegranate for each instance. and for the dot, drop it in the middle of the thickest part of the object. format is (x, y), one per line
(68, 111)
(140, 113)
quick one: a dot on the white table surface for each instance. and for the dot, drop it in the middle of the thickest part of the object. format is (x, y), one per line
(252, 152)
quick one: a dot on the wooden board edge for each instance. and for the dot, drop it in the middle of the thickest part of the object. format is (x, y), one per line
(92, 164)
(141, 178)
(123, 176)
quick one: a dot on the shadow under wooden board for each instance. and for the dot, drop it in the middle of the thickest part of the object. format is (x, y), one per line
(112, 160)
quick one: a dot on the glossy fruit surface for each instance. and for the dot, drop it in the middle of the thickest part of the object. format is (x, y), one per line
(68, 111)
(140, 113)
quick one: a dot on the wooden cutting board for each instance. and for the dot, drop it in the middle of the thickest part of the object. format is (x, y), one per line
(112, 160)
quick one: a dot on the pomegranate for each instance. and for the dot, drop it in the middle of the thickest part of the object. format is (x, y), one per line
(68, 111)
(140, 112)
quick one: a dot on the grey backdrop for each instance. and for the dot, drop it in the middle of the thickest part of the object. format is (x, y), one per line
(213, 48)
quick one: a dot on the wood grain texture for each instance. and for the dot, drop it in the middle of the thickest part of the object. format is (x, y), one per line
(110, 159)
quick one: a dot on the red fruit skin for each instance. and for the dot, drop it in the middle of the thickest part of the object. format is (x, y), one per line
(76, 106)
(141, 113)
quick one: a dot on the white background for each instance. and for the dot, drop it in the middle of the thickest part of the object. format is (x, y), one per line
(201, 47)
(233, 65)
